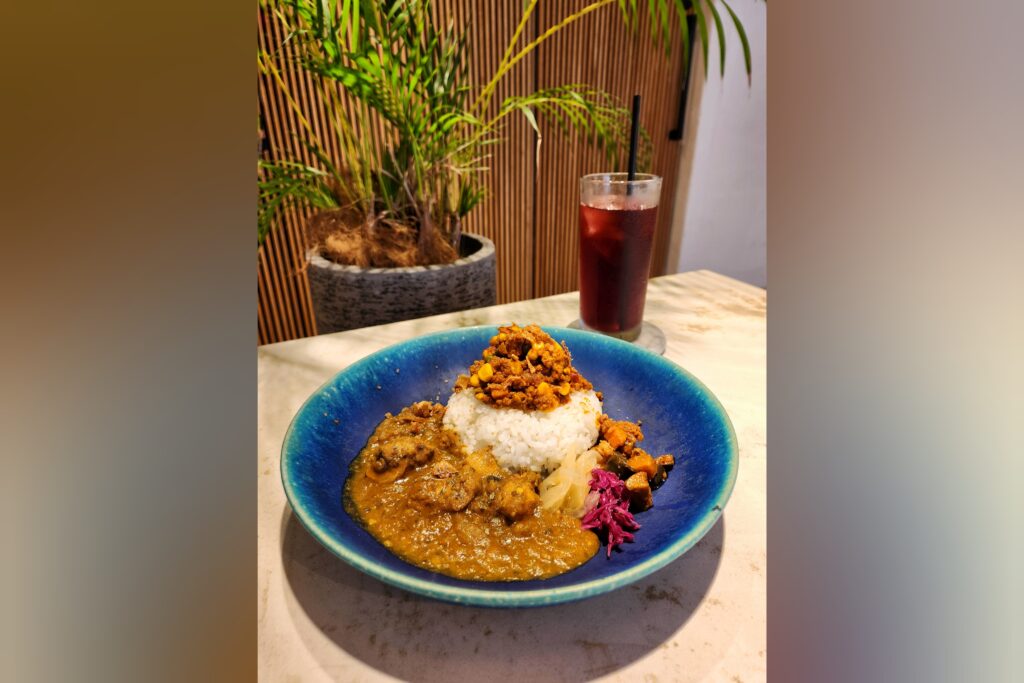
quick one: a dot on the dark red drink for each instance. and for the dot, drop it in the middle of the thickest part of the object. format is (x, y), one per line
(615, 259)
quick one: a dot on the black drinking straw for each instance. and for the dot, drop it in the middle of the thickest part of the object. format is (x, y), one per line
(634, 134)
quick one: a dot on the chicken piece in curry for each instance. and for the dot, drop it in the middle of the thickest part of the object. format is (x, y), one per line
(415, 491)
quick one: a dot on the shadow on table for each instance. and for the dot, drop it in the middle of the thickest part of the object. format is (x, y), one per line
(419, 639)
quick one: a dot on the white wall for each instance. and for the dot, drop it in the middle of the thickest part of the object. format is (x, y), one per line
(724, 219)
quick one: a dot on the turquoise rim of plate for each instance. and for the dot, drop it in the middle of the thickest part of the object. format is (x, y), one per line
(532, 598)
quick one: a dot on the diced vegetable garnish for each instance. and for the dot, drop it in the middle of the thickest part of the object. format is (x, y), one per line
(616, 436)
(643, 462)
(639, 488)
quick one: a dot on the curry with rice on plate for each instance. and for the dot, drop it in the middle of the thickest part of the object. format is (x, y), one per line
(520, 476)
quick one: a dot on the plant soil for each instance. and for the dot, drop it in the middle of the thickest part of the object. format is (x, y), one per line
(347, 238)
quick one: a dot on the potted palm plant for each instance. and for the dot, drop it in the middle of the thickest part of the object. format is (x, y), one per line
(385, 240)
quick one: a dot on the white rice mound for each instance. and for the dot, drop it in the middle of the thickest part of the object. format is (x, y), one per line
(537, 440)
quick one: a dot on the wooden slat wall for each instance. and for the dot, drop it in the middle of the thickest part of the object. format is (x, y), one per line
(285, 310)
(532, 210)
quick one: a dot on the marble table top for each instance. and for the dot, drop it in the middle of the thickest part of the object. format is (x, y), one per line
(701, 618)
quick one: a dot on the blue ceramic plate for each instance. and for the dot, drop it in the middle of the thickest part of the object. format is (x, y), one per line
(680, 416)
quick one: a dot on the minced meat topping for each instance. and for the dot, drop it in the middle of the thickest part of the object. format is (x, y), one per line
(523, 368)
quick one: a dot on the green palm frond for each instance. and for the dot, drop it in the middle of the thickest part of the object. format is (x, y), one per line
(594, 113)
(285, 184)
(658, 12)
(743, 37)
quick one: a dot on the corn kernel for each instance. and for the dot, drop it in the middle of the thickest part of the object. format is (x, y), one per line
(474, 380)
(564, 390)
(543, 388)
(486, 372)
(480, 396)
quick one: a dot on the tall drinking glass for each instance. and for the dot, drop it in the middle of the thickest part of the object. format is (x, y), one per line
(617, 220)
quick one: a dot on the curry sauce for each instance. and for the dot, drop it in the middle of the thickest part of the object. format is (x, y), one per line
(415, 490)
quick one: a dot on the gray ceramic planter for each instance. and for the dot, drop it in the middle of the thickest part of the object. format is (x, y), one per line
(347, 297)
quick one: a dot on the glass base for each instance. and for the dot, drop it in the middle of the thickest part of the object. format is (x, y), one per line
(651, 337)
